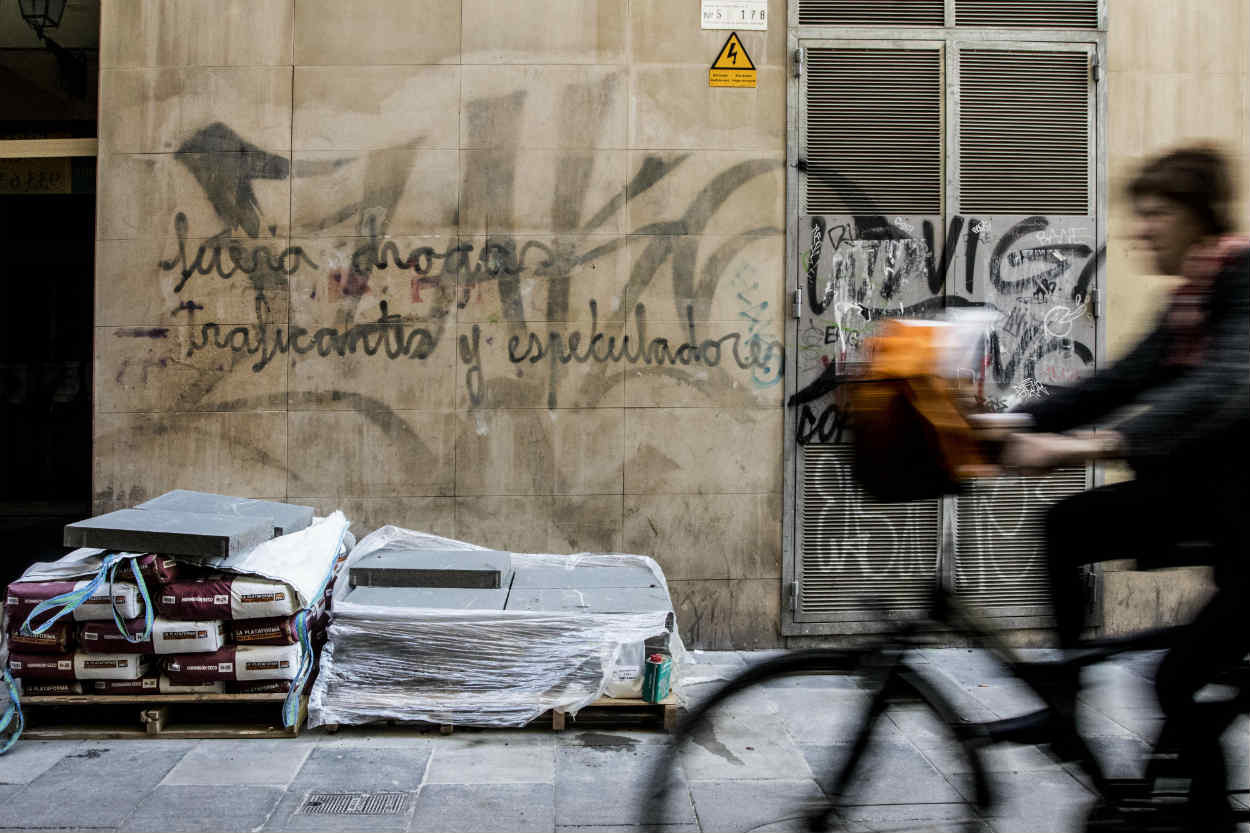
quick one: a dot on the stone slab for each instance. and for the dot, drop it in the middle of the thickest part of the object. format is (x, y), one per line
(591, 600)
(363, 769)
(476, 569)
(229, 763)
(443, 598)
(196, 808)
(518, 759)
(286, 517)
(559, 578)
(169, 533)
(470, 808)
(599, 786)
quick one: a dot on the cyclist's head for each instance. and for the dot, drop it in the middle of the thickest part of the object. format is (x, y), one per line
(1180, 198)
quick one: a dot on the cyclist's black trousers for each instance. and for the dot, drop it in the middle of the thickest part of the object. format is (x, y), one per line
(1161, 524)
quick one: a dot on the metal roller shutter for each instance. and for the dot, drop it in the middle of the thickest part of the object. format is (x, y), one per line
(858, 554)
(1000, 537)
(1024, 132)
(879, 13)
(873, 133)
(1056, 14)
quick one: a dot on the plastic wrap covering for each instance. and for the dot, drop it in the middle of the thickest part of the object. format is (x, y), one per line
(475, 667)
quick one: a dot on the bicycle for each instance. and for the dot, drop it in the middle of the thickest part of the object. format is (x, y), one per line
(892, 677)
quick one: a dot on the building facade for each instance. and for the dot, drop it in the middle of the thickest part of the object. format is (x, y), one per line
(515, 273)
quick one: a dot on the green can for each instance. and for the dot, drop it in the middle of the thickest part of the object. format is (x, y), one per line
(656, 678)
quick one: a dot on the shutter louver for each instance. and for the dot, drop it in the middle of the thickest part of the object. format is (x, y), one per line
(858, 554)
(1000, 537)
(879, 13)
(1024, 132)
(1049, 14)
(873, 135)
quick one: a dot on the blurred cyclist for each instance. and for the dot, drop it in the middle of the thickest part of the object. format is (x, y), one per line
(1190, 378)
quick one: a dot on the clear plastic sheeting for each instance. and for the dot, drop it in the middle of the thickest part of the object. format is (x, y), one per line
(474, 667)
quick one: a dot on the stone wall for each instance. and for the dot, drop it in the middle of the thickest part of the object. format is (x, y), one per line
(505, 272)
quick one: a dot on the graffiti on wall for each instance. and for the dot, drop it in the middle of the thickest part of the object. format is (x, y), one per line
(1034, 274)
(453, 274)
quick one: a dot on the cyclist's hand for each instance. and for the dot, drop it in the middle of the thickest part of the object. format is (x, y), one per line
(1038, 452)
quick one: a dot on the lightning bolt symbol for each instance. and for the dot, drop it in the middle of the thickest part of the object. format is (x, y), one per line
(732, 53)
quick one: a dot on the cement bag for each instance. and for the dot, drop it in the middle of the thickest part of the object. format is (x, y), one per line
(23, 596)
(168, 686)
(58, 639)
(110, 666)
(173, 637)
(143, 685)
(48, 688)
(279, 631)
(158, 569)
(42, 666)
(256, 662)
(105, 638)
(226, 598)
(98, 607)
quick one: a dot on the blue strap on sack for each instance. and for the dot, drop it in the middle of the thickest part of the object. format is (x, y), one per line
(67, 602)
(148, 614)
(11, 714)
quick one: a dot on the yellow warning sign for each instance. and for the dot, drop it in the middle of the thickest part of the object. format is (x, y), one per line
(733, 67)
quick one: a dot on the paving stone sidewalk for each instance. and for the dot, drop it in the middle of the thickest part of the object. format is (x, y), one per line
(766, 755)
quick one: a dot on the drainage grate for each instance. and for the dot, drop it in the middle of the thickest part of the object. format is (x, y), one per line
(354, 804)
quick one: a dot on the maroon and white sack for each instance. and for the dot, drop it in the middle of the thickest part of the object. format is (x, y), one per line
(248, 662)
(172, 636)
(168, 686)
(23, 596)
(42, 666)
(143, 685)
(111, 666)
(47, 688)
(269, 686)
(57, 639)
(105, 638)
(239, 597)
(158, 569)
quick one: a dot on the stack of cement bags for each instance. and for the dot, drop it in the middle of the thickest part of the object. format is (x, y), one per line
(193, 618)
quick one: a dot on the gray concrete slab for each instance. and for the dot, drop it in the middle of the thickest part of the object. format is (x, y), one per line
(448, 598)
(479, 759)
(892, 772)
(478, 569)
(744, 747)
(170, 533)
(27, 760)
(285, 517)
(931, 818)
(717, 658)
(197, 808)
(357, 769)
(484, 808)
(1025, 801)
(101, 781)
(591, 600)
(826, 715)
(733, 806)
(226, 763)
(602, 787)
(584, 577)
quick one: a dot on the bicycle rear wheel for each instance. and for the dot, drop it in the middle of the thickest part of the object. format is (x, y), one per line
(883, 678)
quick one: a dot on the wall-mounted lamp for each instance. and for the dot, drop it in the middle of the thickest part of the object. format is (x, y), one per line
(42, 14)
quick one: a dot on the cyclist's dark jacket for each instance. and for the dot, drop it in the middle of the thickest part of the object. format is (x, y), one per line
(1195, 427)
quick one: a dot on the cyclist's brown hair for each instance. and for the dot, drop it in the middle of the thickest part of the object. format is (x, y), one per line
(1199, 178)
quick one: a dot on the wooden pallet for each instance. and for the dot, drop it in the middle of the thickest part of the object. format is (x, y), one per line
(666, 710)
(598, 714)
(169, 716)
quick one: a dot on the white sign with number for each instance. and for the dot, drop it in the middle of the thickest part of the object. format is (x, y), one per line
(735, 14)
